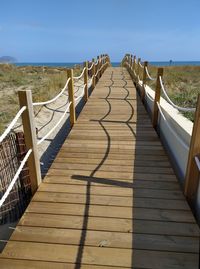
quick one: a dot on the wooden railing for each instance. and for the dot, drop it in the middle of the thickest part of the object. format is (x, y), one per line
(140, 75)
(90, 75)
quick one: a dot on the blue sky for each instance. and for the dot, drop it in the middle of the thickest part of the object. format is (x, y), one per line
(68, 31)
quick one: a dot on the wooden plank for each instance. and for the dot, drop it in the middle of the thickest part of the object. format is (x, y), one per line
(112, 156)
(112, 168)
(111, 211)
(109, 161)
(110, 175)
(110, 224)
(99, 256)
(123, 201)
(81, 180)
(105, 239)
(112, 191)
(24, 264)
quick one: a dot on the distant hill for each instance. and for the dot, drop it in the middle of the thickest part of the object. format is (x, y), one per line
(7, 59)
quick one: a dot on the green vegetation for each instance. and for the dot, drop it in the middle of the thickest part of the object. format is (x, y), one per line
(44, 82)
(182, 84)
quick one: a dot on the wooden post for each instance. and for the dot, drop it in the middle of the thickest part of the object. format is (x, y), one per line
(131, 60)
(98, 67)
(192, 172)
(134, 69)
(138, 68)
(93, 74)
(28, 121)
(157, 97)
(71, 97)
(144, 80)
(86, 81)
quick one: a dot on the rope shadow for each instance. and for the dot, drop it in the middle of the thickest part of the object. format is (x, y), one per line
(88, 188)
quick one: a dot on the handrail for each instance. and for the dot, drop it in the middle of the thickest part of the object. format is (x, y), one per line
(148, 75)
(55, 98)
(170, 101)
(3, 198)
(80, 74)
(142, 66)
(90, 68)
(55, 126)
(70, 85)
(81, 95)
(96, 63)
(13, 122)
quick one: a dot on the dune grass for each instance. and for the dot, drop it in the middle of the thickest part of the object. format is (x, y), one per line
(182, 84)
(44, 83)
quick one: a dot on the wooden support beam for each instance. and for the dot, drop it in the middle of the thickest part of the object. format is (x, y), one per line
(28, 121)
(86, 81)
(93, 74)
(71, 97)
(138, 69)
(157, 97)
(144, 80)
(192, 172)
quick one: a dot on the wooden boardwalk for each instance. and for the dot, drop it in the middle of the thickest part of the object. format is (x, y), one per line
(110, 199)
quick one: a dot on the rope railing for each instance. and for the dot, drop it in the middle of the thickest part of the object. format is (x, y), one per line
(183, 109)
(90, 68)
(191, 166)
(142, 66)
(55, 98)
(7, 192)
(12, 124)
(82, 94)
(79, 77)
(28, 121)
(148, 75)
(55, 126)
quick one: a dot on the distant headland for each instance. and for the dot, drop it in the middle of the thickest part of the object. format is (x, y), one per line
(7, 59)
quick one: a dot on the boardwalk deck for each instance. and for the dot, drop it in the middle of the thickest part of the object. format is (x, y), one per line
(110, 199)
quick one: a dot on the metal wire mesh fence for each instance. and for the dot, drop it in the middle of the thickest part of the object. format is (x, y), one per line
(12, 151)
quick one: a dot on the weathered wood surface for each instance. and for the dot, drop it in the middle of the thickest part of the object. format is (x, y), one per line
(110, 199)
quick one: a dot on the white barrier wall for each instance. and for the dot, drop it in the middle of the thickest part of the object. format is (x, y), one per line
(175, 132)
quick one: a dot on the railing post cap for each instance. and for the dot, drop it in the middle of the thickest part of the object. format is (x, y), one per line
(160, 71)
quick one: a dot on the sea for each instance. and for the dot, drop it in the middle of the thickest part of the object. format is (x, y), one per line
(114, 64)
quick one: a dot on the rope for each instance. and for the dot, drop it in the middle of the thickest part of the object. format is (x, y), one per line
(171, 103)
(142, 66)
(81, 95)
(148, 75)
(134, 73)
(172, 130)
(13, 122)
(80, 74)
(97, 72)
(91, 67)
(55, 98)
(55, 126)
(3, 198)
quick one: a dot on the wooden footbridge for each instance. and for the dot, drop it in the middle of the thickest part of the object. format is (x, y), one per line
(111, 198)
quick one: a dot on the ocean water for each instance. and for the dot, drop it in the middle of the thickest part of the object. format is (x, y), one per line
(114, 64)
